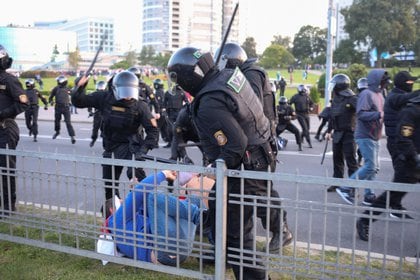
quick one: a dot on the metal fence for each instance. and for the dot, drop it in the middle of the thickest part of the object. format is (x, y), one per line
(60, 197)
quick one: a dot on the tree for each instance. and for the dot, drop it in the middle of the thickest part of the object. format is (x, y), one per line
(282, 41)
(161, 60)
(250, 47)
(54, 53)
(147, 55)
(131, 58)
(74, 58)
(123, 64)
(276, 56)
(347, 54)
(309, 42)
(382, 24)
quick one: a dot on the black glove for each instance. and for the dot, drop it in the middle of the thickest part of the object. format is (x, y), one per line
(90, 114)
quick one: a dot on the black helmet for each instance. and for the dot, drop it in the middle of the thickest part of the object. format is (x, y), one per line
(233, 55)
(136, 71)
(101, 85)
(61, 80)
(5, 59)
(187, 67)
(157, 83)
(362, 83)
(283, 100)
(125, 85)
(339, 82)
(302, 89)
(30, 83)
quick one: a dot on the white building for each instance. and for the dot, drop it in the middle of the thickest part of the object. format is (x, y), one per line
(170, 24)
(89, 30)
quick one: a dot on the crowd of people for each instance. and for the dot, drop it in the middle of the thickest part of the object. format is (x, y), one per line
(228, 109)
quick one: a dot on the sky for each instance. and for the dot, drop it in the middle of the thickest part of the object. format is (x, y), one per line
(265, 18)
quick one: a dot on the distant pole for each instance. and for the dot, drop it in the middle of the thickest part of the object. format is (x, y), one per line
(330, 44)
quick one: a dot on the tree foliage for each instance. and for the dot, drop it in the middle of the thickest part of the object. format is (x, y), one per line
(250, 47)
(146, 56)
(123, 64)
(346, 53)
(285, 41)
(276, 56)
(309, 42)
(74, 58)
(131, 58)
(383, 24)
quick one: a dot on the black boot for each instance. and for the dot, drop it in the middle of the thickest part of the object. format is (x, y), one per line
(300, 147)
(56, 134)
(92, 142)
(35, 139)
(73, 140)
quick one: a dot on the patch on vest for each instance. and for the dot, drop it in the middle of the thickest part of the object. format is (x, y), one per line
(178, 129)
(348, 105)
(237, 80)
(407, 131)
(23, 98)
(220, 138)
(3, 87)
(118, 109)
(197, 54)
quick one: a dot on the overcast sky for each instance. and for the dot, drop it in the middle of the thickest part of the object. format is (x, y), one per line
(265, 19)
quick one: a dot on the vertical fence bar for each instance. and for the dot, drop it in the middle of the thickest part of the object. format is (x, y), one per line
(221, 216)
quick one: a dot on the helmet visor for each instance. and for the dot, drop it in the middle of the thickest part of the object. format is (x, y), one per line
(126, 93)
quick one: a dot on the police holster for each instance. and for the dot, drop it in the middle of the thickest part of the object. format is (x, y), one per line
(258, 157)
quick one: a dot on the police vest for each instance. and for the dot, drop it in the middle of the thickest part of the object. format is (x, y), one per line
(120, 120)
(32, 96)
(343, 113)
(249, 115)
(62, 96)
(268, 99)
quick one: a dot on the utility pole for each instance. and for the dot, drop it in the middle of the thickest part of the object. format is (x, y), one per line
(329, 55)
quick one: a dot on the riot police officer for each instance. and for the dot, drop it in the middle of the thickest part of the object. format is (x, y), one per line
(145, 92)
(124, 115)
(406, 164)
(173, 102)
(342, 123)
(61, 93)
(286, 114)
(31, 114)
(162, 121)
(231, 126)
(97, 115)
(233, 55)
(303, 105)
(13, 101)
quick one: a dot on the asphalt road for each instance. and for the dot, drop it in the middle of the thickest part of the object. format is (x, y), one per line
(309, 225)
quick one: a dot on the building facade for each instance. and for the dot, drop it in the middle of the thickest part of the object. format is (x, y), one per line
(31, 47)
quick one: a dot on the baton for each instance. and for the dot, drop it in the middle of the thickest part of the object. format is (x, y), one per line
(325, 150)
(189, 145)
(226, 34)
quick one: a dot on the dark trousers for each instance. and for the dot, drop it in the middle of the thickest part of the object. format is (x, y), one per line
(292, 128)
(65, 111)
(31, 119)
(321, 126)
(304, 122)
(9, 138)
(344, 148)
(97, 122)
(111, 173)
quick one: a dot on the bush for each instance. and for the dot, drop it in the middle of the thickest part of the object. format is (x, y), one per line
(315, 95)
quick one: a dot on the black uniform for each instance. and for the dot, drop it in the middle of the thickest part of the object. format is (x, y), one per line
(324, 116)
(31, 114)
(146, 93)
(285, 115)
(406, 164)
(122, 122)
(303, 105)
(185, 131)
(164, 124)
(173, 102)
(96, 125)
(282, 85)
(13, 101)
(343, 122)
(232, 126)
(62, 107)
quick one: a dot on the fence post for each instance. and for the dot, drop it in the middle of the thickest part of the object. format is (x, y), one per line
(221, 216)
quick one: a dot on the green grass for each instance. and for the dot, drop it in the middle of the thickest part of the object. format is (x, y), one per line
(19, 261)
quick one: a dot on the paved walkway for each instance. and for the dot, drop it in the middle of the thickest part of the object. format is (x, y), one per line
(82, 116)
